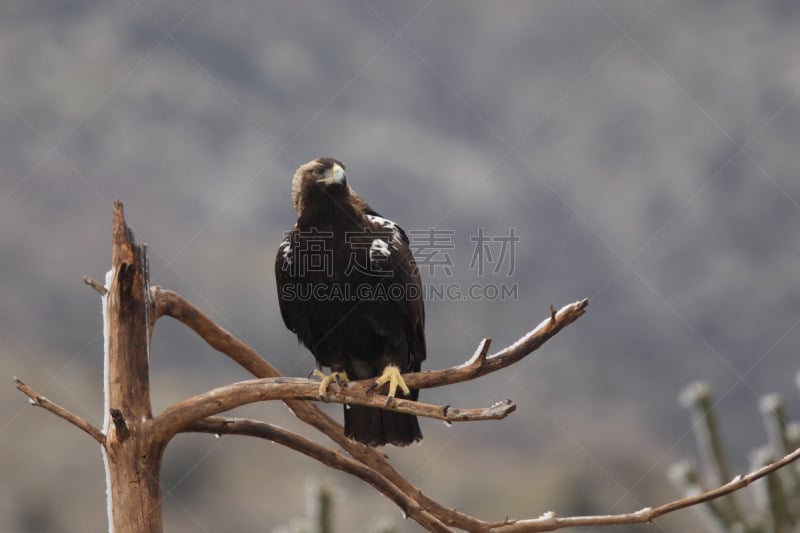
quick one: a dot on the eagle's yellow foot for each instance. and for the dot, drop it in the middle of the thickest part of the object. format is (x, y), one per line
(339, 377)
(391, 375)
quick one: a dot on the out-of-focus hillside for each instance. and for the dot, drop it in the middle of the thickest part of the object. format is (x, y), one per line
(645, 153)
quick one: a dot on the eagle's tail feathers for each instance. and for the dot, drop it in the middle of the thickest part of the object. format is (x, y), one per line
(375, 427)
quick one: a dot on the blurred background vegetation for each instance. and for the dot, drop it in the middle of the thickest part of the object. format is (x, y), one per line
(645, 152)
(774, 503)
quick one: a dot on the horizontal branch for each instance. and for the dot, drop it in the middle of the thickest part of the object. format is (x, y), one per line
(40, 401)
(328, 456)
(551, 522)
(176, 417)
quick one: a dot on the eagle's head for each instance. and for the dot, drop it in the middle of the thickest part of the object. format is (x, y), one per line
(317, 179)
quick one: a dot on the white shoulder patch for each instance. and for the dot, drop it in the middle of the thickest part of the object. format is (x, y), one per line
(379, 250)
(387, 224)
(286, 249)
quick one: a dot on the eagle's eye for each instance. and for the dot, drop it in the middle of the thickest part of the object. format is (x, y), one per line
(318, 171)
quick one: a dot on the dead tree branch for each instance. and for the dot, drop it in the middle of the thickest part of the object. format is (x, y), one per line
(96, 285)
(550, 522)
(328, 456)
(480, 364)
(170, 303)
(38, 400)
(176, 417)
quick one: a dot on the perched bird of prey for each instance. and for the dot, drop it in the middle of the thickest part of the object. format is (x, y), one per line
(349, 288)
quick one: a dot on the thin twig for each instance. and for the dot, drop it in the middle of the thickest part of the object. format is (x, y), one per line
(551, 522)
(328, 456)
(96, 285)
(685, 477)
(40, 401)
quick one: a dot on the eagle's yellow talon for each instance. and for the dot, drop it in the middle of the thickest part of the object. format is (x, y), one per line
(391, 375)
(339, 377)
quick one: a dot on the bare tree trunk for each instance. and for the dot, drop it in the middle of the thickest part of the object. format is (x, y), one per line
(133, 454)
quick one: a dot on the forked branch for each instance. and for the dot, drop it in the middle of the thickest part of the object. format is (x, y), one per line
(170, 303)
(225, 398)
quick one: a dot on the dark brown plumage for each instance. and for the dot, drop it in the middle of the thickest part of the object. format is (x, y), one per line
(349, 288)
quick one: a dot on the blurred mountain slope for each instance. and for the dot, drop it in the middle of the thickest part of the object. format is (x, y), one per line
(644, 152)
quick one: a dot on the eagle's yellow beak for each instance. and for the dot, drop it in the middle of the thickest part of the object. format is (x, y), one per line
(334, 175)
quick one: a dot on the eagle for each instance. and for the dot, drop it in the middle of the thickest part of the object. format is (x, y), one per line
(349, 288)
